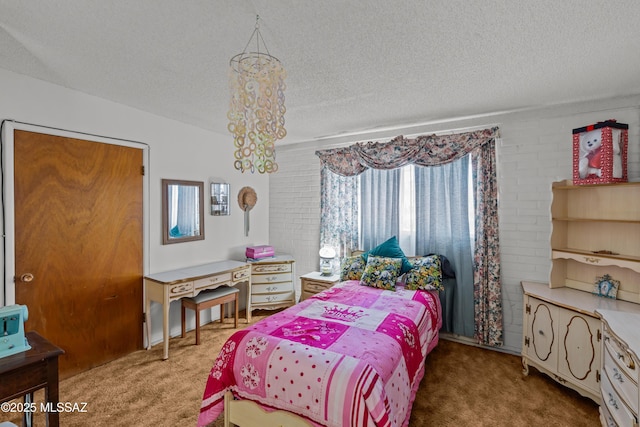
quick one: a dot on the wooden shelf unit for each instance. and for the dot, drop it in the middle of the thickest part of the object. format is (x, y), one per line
(590, 219)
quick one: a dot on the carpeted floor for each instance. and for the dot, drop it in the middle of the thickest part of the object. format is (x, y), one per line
(463, 386)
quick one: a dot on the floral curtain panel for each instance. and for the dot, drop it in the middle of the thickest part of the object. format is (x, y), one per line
(339, 212)
(431, 150)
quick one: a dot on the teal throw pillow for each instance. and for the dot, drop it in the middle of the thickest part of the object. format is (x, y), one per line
(390, 249)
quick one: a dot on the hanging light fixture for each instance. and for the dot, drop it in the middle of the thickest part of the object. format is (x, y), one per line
(256, 113)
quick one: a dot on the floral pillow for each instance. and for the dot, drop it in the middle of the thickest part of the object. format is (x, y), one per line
(381, 272)
(426, 274)
(352, 268)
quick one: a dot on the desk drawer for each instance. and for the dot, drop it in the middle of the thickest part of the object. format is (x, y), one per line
(242, 275)
(271, 278)
(271, 268)
(273, 298)
(218, 279)
(180, 289)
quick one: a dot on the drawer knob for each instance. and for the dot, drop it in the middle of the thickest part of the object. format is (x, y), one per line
(617, 375)
(613, 401)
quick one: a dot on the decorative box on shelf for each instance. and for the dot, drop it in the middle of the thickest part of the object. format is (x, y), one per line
(600, 153)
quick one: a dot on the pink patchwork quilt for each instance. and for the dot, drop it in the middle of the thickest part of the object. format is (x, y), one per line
(350, 356)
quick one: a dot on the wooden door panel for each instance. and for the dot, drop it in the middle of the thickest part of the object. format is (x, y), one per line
(78, 220)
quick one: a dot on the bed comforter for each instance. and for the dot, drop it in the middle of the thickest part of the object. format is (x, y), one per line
(350, 356)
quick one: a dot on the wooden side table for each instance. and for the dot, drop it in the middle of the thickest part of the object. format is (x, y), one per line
(314, 282)
(25, 372)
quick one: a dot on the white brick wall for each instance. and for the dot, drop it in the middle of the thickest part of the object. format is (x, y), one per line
(535, 150)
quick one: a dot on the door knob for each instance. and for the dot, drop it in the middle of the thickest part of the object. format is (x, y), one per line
(26, 277)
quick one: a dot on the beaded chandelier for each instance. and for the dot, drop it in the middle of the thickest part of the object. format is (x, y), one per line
(256, 112)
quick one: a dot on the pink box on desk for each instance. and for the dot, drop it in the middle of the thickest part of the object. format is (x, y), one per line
(257, 252)
(600, 153)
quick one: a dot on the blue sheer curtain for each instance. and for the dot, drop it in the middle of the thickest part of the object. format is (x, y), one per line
(380, 202)
(443, 227)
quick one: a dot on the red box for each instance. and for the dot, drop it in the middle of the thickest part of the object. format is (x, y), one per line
(258, 252)
(600, 153)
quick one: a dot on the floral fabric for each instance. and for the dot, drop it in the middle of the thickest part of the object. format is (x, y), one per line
(486, 275)
(339, 213)
(381, 272)
(425, 274)
(427, 150)
(352, 268)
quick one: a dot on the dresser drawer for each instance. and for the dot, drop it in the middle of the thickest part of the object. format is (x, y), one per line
(605, 417)
(271, 278)
(218, 279)
(284, 297)
(271, 268)
(621, 383)
(619, 352)
(270, 288)
(614, 404)
(180, 289)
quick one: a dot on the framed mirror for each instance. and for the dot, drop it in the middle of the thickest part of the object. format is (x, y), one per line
(182, 211)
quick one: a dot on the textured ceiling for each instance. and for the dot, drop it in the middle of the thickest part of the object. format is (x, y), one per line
(353, 66)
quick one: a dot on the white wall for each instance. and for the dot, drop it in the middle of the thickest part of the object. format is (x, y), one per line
(535, 150)
(177, 151)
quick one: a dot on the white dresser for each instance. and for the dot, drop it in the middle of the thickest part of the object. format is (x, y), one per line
(620, 366)
(272, 282)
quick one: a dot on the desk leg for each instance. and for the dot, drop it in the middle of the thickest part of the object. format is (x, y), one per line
(165, 328)
(51, 392)
(249, 301)
(27, 416)
(147, 320)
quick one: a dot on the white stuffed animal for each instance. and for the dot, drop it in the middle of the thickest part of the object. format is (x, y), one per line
(589, 164)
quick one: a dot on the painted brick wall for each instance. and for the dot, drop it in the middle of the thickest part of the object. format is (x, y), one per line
(534, 151)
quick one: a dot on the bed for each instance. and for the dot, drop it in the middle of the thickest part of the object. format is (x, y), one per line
(352, 355)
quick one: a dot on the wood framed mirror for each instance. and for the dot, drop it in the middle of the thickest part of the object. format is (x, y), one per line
(182, 211)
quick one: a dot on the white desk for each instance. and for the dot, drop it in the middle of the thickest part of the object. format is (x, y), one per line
(188, 282)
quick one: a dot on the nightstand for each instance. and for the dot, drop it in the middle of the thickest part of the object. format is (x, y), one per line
(313, 283)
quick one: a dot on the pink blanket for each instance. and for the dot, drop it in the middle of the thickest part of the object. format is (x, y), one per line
(350, 356)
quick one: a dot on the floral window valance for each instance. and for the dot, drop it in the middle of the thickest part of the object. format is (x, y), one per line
(425, 150)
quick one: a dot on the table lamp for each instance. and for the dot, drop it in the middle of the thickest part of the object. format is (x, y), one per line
(327, 254)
